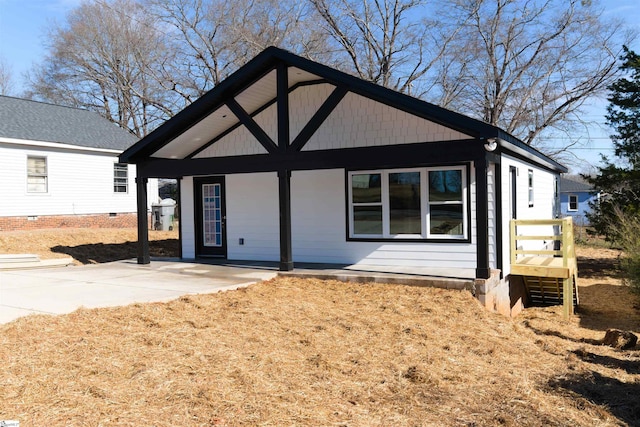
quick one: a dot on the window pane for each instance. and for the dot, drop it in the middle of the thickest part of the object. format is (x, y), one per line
(445, 186)
(36, 174)
(367, 220)
(573, 203)
(446, 219)
(36, 184)
(404, 203)
(36, 166)
(120, 179)
(366, 188)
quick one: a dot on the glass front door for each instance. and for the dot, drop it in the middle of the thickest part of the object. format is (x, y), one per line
(210, 216)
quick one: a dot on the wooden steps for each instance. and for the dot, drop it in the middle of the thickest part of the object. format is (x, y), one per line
(547, 291)
(543, 253)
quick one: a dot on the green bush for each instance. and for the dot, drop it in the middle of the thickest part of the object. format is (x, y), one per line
(627, 231)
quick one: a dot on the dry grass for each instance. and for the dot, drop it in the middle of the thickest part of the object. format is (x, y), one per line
(323, 353)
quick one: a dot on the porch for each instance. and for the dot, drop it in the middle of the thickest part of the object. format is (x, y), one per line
(550, 273)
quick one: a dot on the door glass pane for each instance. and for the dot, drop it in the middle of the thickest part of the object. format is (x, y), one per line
(446, 219)
(404, 203)
(366, 188)
(445, 185)
(367, 220)
(211, 215)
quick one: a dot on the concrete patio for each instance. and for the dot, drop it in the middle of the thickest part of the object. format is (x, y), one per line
(65, 289)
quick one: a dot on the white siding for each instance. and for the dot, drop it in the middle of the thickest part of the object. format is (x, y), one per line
(361, 122)
(356, 122)
(319, 234)
(79, 182)
(543, 202)
(187, 224)
(253, 215)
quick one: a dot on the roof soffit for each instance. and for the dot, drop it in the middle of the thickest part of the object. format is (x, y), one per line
(253, 99)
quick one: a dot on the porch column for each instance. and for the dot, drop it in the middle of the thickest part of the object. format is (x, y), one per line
(482, 219)
(284, 189)
(143, 221)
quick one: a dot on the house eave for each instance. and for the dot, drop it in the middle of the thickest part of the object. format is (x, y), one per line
(56, 146)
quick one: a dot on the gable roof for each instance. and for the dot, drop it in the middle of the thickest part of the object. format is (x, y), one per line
(256, 84)
(568, 185)
(24, 119)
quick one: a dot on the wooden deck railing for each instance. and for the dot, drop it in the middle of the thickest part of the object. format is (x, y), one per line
(545, 260)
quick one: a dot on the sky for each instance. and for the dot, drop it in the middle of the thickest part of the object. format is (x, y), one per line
(23, 25)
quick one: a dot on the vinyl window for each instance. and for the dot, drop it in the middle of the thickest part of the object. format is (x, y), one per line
(120, 178)
(573, 203)
(425, 203)
(37, 178)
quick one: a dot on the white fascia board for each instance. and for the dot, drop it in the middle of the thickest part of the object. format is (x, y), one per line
(58, 145)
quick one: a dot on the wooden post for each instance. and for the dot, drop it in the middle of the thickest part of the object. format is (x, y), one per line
(284, 186)
(567, 294)
(143, 222)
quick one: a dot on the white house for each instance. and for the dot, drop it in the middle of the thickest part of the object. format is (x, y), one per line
(292, 161)
(59, 168)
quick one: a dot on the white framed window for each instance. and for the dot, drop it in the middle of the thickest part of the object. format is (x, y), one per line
(120, 178)
(530, 186)
(573, 203)
(37, 177)
(417, 203)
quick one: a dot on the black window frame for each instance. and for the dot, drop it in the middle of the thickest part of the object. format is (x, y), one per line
(425, 237)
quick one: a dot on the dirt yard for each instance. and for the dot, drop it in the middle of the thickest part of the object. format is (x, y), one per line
(324, 353)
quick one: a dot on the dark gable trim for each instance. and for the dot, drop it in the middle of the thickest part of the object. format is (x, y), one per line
(252, 126)
(266, 61)
(250, 73)
(318, 118)
(528, 154)
(282, 110)
(255, 113)
(377, 157)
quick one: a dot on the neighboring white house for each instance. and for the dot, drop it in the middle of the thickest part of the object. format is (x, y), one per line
(59, 168)
(292, 161)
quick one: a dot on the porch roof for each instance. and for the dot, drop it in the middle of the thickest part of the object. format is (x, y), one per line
(255, 86)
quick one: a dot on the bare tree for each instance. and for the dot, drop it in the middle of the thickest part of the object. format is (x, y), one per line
(6, 78)
(389, 42)
(104, 59)
(527, 66)
(214, 38)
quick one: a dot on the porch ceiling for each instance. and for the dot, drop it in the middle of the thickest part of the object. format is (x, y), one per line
(252, 99)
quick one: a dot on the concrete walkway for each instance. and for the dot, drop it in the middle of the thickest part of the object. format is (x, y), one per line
(63, 290)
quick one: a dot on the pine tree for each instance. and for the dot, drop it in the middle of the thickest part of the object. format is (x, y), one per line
(619, 179)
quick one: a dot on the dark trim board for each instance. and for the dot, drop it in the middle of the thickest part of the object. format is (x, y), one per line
(482, 219)
(498, 214)
(273, 58)
(378, 157)
(255, 113)
(144, 256)
(179, 207)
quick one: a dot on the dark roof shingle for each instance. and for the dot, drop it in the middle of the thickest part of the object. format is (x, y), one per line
(38, 121)
(568, 185)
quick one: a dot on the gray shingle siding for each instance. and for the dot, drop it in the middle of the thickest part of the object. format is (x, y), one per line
(39, 121)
